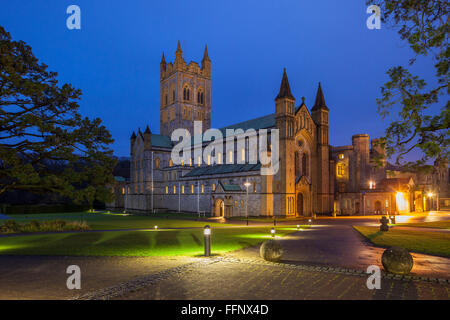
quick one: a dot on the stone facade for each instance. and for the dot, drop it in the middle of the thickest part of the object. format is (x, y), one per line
(313, 177)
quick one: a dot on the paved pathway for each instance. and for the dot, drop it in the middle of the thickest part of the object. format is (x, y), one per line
(229, 280)
(44, 277)
(341, 245)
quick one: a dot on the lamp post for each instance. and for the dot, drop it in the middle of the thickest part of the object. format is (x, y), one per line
(207, 240)
(246, 184)
(273, 232)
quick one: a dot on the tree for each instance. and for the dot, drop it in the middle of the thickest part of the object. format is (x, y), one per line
(45, 144)
(418, 126)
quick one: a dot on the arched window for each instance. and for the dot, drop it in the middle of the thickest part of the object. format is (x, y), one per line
(305, 164)
(170, 163)
(186, 93)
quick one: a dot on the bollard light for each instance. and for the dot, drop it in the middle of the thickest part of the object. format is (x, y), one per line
(298, 227)
(272, 232)
(207, 240)
(309, 221)
(156, 227)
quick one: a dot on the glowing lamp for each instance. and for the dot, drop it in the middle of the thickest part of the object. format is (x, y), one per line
(207, 240)
(272, 232)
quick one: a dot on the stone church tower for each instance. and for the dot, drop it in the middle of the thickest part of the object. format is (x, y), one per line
(185, 93)
(324, 194)
(285, 123)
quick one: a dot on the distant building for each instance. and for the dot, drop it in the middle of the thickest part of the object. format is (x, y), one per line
(314, 177)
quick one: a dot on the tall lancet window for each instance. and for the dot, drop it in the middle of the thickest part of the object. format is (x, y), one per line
(305, 164)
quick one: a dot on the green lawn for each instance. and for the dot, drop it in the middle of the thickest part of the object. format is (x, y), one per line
(433, 224)
(110, 221)
(437, 243)
(187, 242)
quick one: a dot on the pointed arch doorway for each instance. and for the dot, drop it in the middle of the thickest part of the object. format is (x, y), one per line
(220, 205)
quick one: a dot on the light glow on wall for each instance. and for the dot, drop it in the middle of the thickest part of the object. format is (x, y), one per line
(402, 203)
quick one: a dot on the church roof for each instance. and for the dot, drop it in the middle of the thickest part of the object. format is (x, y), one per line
(222, 169)
(231, 187)
(264, 122)
(161, 141)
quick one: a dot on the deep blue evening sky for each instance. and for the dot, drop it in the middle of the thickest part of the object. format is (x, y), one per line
(115, 57)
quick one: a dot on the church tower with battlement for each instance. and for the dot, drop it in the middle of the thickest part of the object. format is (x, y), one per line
(185, 93)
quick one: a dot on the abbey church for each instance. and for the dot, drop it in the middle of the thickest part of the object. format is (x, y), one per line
(313, 177)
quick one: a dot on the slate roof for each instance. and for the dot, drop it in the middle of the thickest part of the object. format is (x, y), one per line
(222, 169)
(231, 187)
(161, 141)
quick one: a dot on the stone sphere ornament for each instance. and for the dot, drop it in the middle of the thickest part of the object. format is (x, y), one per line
(271, 250)
(397, 260)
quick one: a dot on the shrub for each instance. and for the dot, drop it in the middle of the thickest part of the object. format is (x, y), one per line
(11, 226)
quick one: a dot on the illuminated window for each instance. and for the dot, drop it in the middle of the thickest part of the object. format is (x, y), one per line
(213, 187)
(199, 161)
(157, 163)
(182, 189)
(341, 169)
(254, 186)
(209, 159)
(192, 188)
(230, 156)
(235, 203)
(174, 189)
(242, 203)
(123, 190)
(182, 162)
(243, 154)
(167, 189)
(387, 203)
(170, 163)
(190, 162)
(203, 188)
(341, 156)
(219, 158)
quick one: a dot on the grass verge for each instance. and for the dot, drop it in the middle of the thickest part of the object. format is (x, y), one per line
(435, 243)
(185, 242)
(433, 224)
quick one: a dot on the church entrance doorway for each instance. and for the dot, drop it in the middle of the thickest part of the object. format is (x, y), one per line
(219, 208)
(377, 207)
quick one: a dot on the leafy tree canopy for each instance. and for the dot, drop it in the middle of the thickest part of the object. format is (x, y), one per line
(45, 144)
(417, 125)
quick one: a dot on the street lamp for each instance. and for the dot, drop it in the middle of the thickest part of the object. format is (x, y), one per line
(298, 227)
(207, 240)
(246, 184)
(272, 232)
(156, 227)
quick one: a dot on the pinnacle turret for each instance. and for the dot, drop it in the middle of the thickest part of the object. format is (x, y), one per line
(285, 89)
